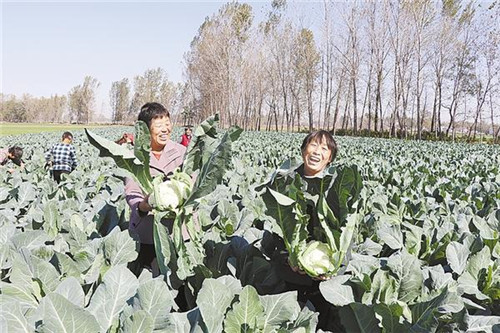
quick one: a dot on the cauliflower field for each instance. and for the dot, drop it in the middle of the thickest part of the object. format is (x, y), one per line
(425, 255)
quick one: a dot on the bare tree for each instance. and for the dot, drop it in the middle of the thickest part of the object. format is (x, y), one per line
(422, 14)
(306, 60)
(119, 96)
(462, 64)
(81, 100)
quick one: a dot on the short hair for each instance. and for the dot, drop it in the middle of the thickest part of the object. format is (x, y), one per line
(319, 136)
(17, 153)
(67, 135)
(150, 111)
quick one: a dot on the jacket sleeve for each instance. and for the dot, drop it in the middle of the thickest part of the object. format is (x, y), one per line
(133, 193)
(48, 155)
(73, 157)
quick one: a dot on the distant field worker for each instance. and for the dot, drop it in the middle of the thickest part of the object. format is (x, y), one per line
(62, 157)
(126, 138)
(186, 137)
(12, 154)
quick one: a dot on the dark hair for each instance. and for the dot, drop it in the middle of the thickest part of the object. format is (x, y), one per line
(150, 111)
(17, 153)
(67, 135)
(319, 136)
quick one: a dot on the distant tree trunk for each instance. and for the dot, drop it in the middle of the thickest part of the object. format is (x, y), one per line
(355, 108)
(492, 118)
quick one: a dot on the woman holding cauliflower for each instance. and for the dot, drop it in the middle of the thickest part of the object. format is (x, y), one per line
(166, 155)
(315, 231)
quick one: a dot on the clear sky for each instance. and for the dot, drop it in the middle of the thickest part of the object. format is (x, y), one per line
(49, 47)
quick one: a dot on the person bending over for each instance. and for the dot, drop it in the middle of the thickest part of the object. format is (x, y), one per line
(12, 154)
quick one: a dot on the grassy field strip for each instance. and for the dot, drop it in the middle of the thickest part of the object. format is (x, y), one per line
(25, 128)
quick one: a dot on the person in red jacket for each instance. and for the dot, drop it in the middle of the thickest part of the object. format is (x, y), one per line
(186, 137)
(126, 138)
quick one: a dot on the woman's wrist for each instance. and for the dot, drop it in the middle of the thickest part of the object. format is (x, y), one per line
(143, 207)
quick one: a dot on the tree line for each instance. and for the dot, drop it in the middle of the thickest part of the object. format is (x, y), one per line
(406, 68)
(78, 105)
(415, 68)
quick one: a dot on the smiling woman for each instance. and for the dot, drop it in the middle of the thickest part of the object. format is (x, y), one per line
(318, 150)
(165, 156)
(307, 257)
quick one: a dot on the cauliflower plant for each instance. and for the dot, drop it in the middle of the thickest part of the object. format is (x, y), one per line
(316, 259)
(171, 194)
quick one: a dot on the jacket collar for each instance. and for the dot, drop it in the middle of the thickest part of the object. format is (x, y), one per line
(166, 157)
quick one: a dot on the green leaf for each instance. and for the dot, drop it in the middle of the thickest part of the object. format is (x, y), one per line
(484, 228)
(60, 315)
(118, 285)
(67, 266)
(71, 290)
(22, 288)
(214, 299)
(154, 297)
(335, 292)
(278, 309)
(384, 288)
(348, 231)
(12, 318)
(125, 159)
(181, 322)
(468, 284)
(202, 145)
(25, 194)
(482, 323)
(281, 199)
(344, 191)
(407, 269)
(142, 142)
(389, 316)
(425, 315)
(457, 255)
(140, 321)
(165, 252)
(119, 247)
(306, 321)
(369, 247)
(391, 235)
(245, 313)
(51, 219)
(478, 261)
(46, 273)
(212, 171)
(30, 239)
(360, 318)
(413, 238)
(290, 218)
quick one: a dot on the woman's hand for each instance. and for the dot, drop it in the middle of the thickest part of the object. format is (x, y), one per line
(316, 278)
(321, 278)
(297, 270)
(144, 205)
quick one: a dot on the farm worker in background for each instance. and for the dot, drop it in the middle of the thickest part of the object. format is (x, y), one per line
(62, 157)
(165, 156)
(126, 138)
(186, 137)
(318, 150)
(12, 154)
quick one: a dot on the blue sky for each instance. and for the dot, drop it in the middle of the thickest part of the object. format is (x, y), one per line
(49, 47)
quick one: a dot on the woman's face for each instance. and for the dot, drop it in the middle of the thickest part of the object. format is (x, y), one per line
(160, 130)
(316, 157)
